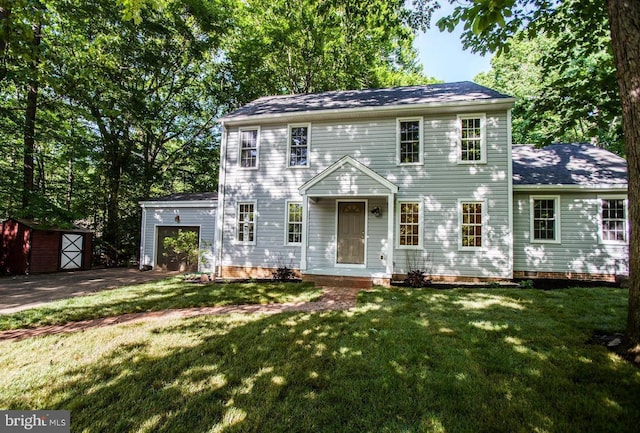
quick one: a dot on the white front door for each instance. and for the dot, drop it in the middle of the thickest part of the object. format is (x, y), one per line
(351, 233)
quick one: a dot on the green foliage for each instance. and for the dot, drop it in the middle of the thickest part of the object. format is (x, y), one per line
(183, 249)
(301, 46)
(166, 294)
(568, 98)
(402, 361)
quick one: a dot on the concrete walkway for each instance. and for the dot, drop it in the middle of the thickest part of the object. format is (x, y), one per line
(27, 291)
(332, 299)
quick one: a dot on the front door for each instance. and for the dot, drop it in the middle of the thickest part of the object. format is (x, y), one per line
(351, 228)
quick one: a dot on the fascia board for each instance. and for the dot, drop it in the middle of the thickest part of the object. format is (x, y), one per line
(391, 110)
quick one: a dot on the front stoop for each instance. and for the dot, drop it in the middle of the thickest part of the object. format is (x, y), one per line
(346, 281)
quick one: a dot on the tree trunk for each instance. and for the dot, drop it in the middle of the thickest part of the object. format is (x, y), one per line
(624, 19)
(30, 125)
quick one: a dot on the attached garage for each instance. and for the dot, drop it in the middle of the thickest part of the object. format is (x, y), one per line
(167, 217)
(29, 247)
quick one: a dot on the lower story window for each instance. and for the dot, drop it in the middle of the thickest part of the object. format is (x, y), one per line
(544, 219)
(614, 220)
(471, 226)
(294, 223)
(246, 222)
(409, 226)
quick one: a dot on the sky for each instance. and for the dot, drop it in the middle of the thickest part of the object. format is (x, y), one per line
(442, 56)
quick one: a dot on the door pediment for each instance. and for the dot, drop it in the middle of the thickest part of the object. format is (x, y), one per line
(348, 177)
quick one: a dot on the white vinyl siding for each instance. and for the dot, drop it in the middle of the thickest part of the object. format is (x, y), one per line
(299, 145)
(194, 215)
(409, 140)
(472, 139)
(580, 250)
(437, 184)
(249, 147)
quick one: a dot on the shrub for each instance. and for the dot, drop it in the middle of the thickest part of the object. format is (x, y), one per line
(283, 274)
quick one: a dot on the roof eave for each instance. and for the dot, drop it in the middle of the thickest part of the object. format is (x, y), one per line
(370, 111)
(569, 188)
(179, 203)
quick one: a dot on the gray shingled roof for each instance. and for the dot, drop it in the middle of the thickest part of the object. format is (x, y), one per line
(464, 91)
(187, 196)
(577, 164)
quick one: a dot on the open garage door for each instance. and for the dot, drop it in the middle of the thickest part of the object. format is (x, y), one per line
(168, 259)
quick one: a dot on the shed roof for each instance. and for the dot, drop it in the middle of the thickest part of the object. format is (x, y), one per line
(464, 91)
(44, 226)
(576, 164)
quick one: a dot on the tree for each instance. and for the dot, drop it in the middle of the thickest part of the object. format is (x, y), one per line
(303, 46)
(489, 23)
(565, 98)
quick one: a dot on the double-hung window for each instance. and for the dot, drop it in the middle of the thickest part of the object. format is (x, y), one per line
(471, 219)
(472, 139)
(613, 220)
(294, 223)
(409, 224)
(545, 218)
(249, 147)
(409, 140)
(246, 223)
(298, 149)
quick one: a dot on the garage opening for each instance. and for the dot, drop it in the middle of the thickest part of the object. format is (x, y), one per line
(168, 258)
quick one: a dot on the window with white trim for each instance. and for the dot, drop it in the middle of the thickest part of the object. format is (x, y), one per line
(298, 152)
(249, 147)
(294, 223)
(246, 223)
(613, 220)
(472, 137)
(545, 218)
(471, 218)
(409, 141)
(409, 224)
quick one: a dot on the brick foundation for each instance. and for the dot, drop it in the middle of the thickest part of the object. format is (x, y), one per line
(532, 275)
(250, 272)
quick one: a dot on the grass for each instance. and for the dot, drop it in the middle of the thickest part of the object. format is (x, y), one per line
(404, 360)
(162, 295)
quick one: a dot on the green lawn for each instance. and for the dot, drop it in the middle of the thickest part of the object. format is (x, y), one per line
(497, 360)
(159, 295)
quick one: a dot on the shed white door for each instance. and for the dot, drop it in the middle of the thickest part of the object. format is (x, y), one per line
(351, 222)
(71, 251)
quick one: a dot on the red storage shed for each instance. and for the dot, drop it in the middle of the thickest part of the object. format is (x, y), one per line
(32, 248)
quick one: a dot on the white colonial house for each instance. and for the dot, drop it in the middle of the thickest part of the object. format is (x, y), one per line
(368, 185)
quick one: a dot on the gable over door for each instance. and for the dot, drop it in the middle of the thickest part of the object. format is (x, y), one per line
(351, 233)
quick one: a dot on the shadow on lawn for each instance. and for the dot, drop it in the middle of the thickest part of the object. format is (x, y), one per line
(402, 361)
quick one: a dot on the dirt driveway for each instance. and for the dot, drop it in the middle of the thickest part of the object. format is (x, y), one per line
(28, 291)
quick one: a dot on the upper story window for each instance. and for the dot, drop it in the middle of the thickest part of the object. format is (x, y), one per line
(298, 152)
(409, 224)
(471, 218)
(246, 223)
(409, 141)
(249, 147)
(613, 220)
(545, 219)
(471, 139)
(294, 223)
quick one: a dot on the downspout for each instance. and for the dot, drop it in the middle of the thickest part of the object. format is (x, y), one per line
(222, 178)
(510, 190)
(143, 233)
(390, 238)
